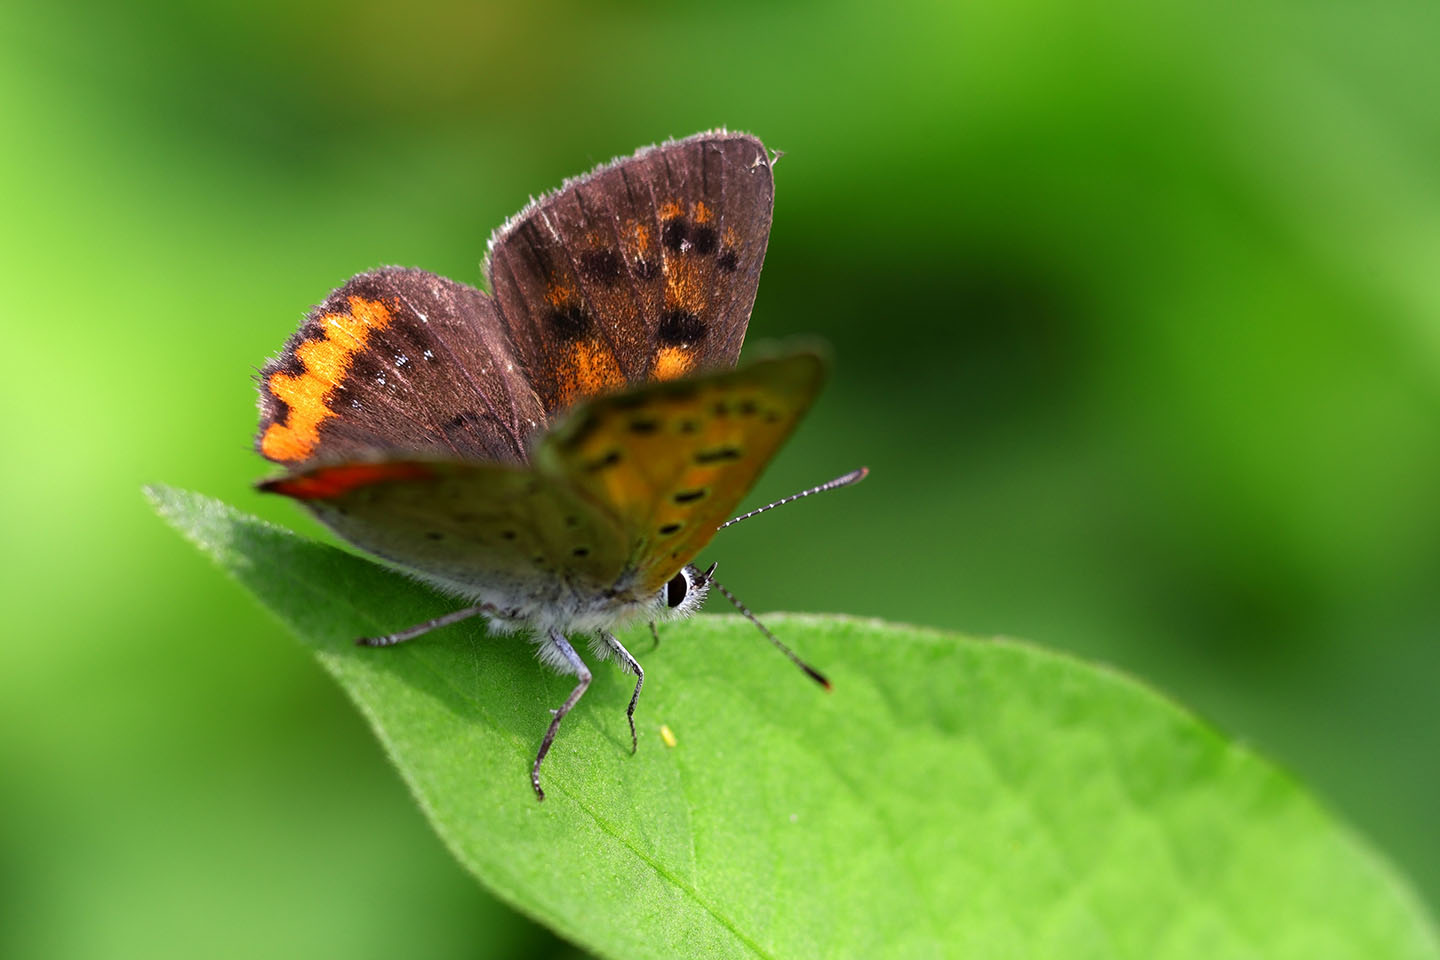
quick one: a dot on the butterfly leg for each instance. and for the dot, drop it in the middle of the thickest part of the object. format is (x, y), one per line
(567, 657)
(410, 633)
(656, 635)
(634, 667)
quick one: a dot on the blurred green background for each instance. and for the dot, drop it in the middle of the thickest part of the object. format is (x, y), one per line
(1137, 319)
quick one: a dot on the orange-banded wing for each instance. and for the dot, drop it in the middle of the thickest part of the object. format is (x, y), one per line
(672, 460)
(467, 524)
(397, 360)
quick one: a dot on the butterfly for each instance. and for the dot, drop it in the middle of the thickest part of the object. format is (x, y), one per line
(558, 451)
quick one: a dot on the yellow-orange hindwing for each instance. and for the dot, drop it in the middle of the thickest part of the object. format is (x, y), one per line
(672, 460)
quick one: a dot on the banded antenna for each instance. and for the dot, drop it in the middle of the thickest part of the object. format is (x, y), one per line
(853, 477)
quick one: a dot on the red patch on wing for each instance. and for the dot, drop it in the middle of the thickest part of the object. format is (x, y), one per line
(328, 483)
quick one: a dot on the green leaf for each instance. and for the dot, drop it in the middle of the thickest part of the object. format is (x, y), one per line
(951, 797)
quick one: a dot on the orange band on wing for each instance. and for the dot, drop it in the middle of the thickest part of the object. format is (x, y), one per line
(326, 360)
(672, 362)
(330, 482)
(638, 238)
(589, 369)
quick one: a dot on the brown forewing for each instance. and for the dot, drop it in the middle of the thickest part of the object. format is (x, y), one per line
(644, 269)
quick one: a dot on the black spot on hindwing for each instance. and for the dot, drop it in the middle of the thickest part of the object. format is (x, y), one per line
(679, 327)
(570, 323)
(605, 462)
(718, 455)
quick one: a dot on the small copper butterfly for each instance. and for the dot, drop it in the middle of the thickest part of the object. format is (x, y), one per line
(557, 452)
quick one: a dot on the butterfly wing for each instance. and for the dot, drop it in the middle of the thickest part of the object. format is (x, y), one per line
(644, 269)
(404, 400)
(671, 461)
(397, 359)
(492, 530)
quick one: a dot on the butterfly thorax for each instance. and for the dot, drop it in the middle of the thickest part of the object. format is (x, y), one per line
(572, 608)
(560, 605)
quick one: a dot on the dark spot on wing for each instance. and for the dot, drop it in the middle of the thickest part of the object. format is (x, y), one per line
(570, 323)
(609, 460)
(718, 455)
(679, 326)
(643, 427)
(728, 261)
(704, 240)
(647, 269)
(289, 363)
(689, 496)
(670, 528)
(673, 233)
(507, 534)
(600, 266)
(280, 410)
(434, 535)
(580, 552)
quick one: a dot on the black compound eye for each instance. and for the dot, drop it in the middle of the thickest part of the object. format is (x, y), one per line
(676, 589)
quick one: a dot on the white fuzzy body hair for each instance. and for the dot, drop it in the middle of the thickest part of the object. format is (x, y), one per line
(570, 611)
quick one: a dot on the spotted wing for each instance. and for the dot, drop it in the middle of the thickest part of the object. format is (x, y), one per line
(490, 530)
(397, 359)
(644, 269)
(672, 460)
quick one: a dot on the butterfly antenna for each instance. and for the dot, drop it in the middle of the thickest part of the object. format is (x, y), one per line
(814, 674)
(853, 477)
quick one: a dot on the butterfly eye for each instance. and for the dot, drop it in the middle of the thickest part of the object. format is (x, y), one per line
(676, 589)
